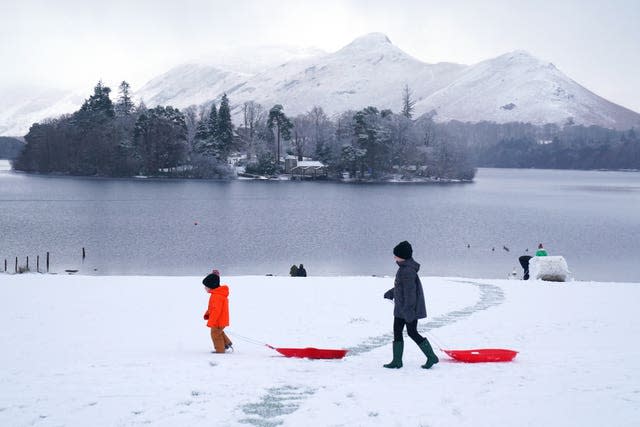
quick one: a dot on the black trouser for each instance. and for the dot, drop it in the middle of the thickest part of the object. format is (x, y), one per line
(524, 262)
(412, 330)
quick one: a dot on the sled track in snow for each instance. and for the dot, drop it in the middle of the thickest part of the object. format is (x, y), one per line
(490, 296)
(277, 402)
(281, 401)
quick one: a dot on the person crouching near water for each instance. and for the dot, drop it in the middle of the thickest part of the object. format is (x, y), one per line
(217, 314)
(409, 306)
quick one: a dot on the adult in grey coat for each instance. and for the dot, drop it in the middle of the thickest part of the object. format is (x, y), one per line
(409, 306)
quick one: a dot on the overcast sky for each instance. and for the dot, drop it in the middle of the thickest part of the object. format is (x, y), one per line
(73, 43)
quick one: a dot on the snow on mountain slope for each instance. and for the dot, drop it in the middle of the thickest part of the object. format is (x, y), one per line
(372, 71)
(21, 107)
(229, 70)
(253, 60)
(519, 87)
(369, 71)
(189, 84)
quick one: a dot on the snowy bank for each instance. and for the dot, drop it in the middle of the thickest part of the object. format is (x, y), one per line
(106, 351)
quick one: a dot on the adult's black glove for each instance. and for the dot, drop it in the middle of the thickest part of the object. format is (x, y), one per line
(389, 294)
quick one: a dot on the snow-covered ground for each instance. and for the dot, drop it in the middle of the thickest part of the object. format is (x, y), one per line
(111, 351)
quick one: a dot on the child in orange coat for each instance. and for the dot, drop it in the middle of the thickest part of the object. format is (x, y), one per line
(217, 314)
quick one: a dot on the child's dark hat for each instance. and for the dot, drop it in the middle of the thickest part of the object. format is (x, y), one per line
(212, 281)
(403, 250)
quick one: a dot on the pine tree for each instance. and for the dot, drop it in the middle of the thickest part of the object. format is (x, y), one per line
(213, 122)
(371, 133)
(124, 106)
(407, 102)
(141, 108)
(99, 102)
(203, 140)
(282, 124)
(160, 139)
(202, 131)
(224, 129)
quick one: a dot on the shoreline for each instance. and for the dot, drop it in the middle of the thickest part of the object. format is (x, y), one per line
(280, 178)
(27, 275)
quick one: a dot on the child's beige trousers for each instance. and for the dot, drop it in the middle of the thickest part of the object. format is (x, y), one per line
(220, 339)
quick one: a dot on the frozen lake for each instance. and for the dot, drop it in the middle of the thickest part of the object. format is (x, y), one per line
(172, 227)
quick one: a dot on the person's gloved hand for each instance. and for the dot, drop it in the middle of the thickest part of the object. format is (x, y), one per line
(389, 294)
(206, 316)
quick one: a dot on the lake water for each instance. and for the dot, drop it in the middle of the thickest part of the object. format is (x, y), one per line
(180, 227)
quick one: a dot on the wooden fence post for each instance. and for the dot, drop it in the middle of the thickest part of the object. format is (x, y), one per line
(16, 267)
(47, 262)
(38, 263)
(27, 263)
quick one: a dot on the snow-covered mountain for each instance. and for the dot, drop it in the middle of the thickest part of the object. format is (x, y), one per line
(21, 107)
(189, 84)
(227, 71)
(372, 71)
(519, 87)
(183, 85)
(369, 71)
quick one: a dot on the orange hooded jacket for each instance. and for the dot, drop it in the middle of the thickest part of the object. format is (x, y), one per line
(217, 315)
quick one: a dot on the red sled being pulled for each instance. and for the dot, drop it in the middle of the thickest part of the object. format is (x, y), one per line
(310, 352)
(482, 355)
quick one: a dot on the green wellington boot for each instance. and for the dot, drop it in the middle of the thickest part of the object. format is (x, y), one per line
(432, 359)
(396, 363)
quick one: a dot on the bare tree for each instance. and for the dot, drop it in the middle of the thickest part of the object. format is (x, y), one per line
(322, 134)
(252, 113)
(302, 134)
(191, 115)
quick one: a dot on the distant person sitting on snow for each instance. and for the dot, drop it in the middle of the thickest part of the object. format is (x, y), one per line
(293, 271)
(217, 314)
(541, 251)
(409, 306)
(301, 271)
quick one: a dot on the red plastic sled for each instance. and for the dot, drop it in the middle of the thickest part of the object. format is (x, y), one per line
(482, 355)
(311, 352)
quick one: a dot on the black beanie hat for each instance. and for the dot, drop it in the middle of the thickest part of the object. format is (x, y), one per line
(212, 281)
(403, 250)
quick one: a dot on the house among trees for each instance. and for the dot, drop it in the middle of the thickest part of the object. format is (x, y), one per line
(304, 169)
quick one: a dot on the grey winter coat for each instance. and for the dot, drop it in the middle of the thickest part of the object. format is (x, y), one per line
(407, 292)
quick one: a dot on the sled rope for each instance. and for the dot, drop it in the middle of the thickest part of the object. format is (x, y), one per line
(433, 339)
(249, 340)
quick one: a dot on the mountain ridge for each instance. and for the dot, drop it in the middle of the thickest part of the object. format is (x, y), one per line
(370, 70)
